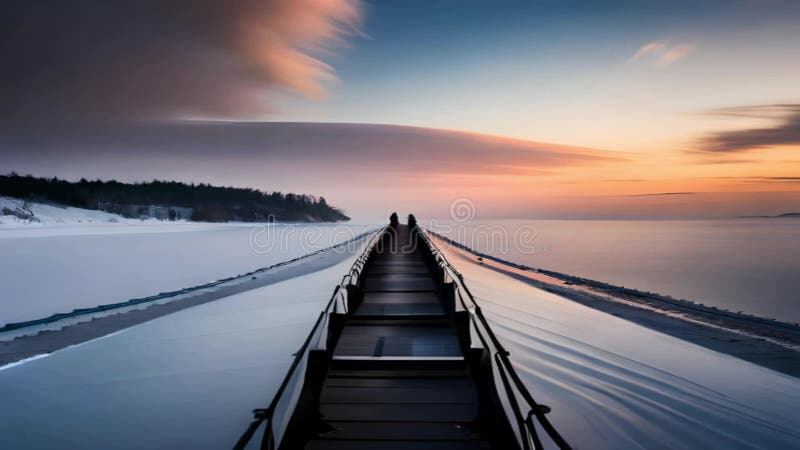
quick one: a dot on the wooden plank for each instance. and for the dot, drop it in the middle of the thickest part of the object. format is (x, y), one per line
(376, 328)
(400, 297)
(400, 309)
(389, 445)
(408, 412)
(429, 383)
(401, 431)
(382, 269)
(367, 345)
(398, 275)
(363, 394)
(391, 373)
(415, 283)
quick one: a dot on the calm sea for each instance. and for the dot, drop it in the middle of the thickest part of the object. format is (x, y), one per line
(750, 265)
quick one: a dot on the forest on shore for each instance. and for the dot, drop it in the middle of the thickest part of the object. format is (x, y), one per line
(173, 199)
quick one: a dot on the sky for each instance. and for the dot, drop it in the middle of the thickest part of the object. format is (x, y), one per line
(575, 109)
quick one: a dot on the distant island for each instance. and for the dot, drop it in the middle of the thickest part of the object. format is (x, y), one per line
(172, 200)
(791, 215)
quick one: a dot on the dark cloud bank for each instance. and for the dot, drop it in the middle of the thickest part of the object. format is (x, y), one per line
(785, 132)
(278, 146)
(102, 59)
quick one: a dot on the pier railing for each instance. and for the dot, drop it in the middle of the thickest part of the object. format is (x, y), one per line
(525, 415)
(275, 418)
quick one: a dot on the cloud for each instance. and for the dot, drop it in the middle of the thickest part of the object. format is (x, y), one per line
(647, 50)
(774, 111)
(329, 146)
(662, 53)
(155, 59)
(660, 194)
(785, 132)
(782, 179)
(762, 179)
(674, 54)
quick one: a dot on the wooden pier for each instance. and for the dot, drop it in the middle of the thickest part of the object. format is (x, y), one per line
(394, 367)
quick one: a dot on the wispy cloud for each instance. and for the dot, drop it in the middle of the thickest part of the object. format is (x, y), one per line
(762, 179)
(662, 53)
(660, 194)
(648, 49)
(773, 111)
(785, 132)
(782, 179)
(674, 54)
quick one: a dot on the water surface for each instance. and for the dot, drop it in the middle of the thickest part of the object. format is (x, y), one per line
(750, 265)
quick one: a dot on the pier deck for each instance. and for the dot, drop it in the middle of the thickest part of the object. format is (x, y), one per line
(398, 378)
(402, 358)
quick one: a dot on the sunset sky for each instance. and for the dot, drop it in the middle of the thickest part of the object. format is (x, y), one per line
(528, 108)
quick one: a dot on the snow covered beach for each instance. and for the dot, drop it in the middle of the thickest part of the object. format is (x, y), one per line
(55, 269)
(185, 380)
(38, 339)
(21, 213)
(70, 275)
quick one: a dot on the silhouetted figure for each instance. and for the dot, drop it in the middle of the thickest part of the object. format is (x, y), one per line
(412, 222)
(394, 221)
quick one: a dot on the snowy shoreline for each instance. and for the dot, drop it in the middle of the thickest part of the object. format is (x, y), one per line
(21, 214)
(767, 342)
(32, 339)
(91, 263)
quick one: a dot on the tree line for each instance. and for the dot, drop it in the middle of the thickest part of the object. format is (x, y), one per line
(208, 203)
